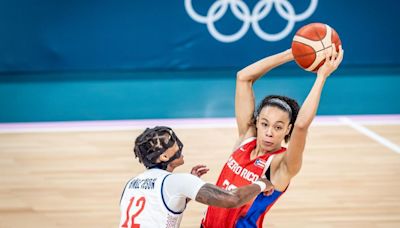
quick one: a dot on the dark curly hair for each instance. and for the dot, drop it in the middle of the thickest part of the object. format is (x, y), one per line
(152, 143)
(285, 104)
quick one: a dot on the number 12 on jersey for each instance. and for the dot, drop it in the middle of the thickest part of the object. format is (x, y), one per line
(140, 205)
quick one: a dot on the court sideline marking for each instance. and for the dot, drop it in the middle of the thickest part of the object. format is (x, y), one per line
(354, 121)
(115, 125)
(370, 134)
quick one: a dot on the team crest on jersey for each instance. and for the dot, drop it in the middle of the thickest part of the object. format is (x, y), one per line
(260, 163)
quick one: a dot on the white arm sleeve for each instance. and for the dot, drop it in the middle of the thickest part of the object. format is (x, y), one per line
(178, 187)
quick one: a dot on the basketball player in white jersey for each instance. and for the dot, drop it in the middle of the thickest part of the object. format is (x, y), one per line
(158, 197)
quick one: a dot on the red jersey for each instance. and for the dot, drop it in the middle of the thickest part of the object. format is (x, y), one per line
(239, 171)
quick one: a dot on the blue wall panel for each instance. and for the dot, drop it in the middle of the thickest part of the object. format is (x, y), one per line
(147, 95)
(139, 34)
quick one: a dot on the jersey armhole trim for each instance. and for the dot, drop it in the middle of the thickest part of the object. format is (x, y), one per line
(162, 197)
(244, 142)
(122, 195)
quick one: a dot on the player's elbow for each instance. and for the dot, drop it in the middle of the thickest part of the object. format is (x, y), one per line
(242, 77)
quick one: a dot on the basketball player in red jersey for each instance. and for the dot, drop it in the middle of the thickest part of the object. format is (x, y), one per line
(258, 150)
(157, 197)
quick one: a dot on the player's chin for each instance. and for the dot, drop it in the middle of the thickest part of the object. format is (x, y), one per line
(267, 147)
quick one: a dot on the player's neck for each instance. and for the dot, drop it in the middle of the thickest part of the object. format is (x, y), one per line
(170, 169)
(259, 152)
(256, 153)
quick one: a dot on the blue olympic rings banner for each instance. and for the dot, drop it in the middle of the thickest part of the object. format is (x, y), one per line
(241, 11)
(184, 34)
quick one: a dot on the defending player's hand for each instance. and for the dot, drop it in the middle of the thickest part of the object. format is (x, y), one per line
(199, 170)
(269, 186)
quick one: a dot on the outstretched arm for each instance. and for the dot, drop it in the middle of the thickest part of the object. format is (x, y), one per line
(212, 195)
(294, 154)
(244, 99)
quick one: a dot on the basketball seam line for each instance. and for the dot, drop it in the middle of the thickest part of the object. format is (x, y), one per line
(320, 39)
(310, 52)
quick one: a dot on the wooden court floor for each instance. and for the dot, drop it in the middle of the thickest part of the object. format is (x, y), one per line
(74, 179)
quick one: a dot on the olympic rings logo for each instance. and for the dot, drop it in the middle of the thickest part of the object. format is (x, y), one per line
(242, 12)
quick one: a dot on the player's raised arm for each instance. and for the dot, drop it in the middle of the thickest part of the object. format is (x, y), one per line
(244, 98)
(294, 155)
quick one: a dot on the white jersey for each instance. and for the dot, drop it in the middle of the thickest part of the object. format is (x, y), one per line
(157, 198)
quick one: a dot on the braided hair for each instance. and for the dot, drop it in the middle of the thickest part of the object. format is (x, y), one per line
(152, 143)
(284, 103)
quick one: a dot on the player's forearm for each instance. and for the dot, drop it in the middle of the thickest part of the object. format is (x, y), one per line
(245, 194)
(259, 68)
(310, 106)
(214, 196)
(294, 155)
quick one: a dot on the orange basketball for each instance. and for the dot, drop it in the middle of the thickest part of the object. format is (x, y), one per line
(309, 43)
